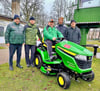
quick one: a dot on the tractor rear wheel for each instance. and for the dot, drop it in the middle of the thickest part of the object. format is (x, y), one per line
(38, 61)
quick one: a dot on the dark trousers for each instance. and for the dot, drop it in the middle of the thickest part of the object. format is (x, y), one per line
(33, 49)
(12, 49)
(49, 44)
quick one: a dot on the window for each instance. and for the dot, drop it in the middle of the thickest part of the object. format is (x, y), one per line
(1, 31)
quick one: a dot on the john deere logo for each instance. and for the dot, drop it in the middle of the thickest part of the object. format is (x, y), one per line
(89, 58)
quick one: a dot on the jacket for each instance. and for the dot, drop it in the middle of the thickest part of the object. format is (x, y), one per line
(74, 35)
(51, 33)
(14, 34)
(63, 29)
(31, 32)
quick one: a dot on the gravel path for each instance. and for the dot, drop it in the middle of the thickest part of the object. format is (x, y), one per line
(4, 55)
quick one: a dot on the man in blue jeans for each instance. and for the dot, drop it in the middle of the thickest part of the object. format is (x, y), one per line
(14, 38)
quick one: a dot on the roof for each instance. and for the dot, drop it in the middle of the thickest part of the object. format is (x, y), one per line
(7, 18)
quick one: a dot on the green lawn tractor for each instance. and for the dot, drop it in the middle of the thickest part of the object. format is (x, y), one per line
(72, 60)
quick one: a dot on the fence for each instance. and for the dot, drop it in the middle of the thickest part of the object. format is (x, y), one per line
(94, 34)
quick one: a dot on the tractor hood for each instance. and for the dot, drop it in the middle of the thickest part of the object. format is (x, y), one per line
(73, 48)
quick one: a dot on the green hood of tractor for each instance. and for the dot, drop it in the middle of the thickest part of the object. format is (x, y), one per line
(73, 48)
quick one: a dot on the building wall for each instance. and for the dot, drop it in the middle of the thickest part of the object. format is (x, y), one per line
(91, 3)
(87, 14)
(3, 24)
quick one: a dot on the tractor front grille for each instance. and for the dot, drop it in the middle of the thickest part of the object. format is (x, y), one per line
(84, 64)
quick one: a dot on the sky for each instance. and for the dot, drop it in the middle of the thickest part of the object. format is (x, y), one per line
(48, 5)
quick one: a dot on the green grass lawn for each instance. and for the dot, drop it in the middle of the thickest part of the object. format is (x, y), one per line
(2, 47)
(31, 79)
(96, 42)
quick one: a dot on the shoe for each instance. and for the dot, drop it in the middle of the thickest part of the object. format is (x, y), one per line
(11, 68)
(32, 65)
(19, 66)
(28, 65)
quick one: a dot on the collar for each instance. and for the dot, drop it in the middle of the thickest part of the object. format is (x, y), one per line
(31, 25)
(51, 27)
(60, 24)
(73, 28)
(16, 23)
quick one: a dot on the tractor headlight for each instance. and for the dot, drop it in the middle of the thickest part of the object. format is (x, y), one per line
(81, 57)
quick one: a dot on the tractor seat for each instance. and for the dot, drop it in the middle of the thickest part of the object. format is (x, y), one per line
(44, 44)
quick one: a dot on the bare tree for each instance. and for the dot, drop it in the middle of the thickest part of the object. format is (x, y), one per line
(28, 8)
(63, 8)
(33, 8)
(7, 7)
(70, 11)
(58, 8)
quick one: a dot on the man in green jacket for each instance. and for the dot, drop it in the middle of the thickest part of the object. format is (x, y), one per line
(50, 36)
(31, 31)
(14, 38)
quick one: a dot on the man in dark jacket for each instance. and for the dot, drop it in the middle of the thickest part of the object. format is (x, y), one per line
(61, 27)
(14, 38)
(74, 34)
(31, 31)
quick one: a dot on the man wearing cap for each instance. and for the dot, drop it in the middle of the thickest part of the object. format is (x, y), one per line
(74, 34)
(50, 36)
(14, 38)
(62, 28)
(31, 31)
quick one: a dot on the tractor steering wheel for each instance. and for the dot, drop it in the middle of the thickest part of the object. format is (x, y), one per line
(59, 40)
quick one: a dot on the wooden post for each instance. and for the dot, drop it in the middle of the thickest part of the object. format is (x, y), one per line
(15, 7)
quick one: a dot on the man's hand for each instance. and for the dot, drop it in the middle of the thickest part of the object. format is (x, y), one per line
(8, 44)
(54, 39)
(23, 43)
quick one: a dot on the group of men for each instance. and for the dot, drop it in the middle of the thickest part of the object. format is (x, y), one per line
(16, 35)
(52, 33)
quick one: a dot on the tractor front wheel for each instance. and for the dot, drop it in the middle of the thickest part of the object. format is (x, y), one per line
(88, 78)
(63, 80)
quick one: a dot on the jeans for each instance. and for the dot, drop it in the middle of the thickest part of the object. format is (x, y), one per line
(12, 49)
(33, 49)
